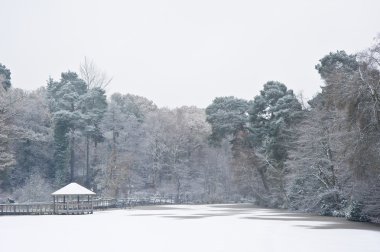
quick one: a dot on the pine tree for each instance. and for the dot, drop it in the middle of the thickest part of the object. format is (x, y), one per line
(6, 157)
(65, 99)
(272, 115)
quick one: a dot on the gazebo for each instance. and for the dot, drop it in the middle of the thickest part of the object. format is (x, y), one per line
(73, 199)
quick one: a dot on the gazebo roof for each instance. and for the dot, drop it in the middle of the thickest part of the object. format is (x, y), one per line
(73, 189)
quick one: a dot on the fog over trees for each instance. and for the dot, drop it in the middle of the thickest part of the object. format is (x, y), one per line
(275, 150)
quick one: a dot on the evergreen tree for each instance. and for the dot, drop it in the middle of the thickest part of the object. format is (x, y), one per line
(5, 77)
(65, 100)
(227, 116)
(229, 119)
(6, 156)
(272, 115)
(93, 106)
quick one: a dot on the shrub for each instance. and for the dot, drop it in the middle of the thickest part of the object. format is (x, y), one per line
(354, 212)
(36, 189)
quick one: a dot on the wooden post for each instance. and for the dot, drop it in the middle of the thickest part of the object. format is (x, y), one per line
(90, 203)
(54, 212)
(65, 204)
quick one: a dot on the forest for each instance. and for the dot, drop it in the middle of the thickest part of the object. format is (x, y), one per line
(276, 150)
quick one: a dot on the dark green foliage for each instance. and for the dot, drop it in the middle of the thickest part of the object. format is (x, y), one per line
(66, 104)
(340, 72)
(61, 153)
(354, 212)
(31, 157)
(6, 156)
(272, 115)
(330, 203)
(93, 107)
(260, 132)
(337, 62)
(274, 110)
(64, 95)
(227, 116)
(5, 77)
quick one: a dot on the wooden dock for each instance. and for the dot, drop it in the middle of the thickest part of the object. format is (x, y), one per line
(41, 208)
(26, 209)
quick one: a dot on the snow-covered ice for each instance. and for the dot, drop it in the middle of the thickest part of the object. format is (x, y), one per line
(187, 228)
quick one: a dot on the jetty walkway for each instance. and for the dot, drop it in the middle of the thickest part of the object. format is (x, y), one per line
(36, 208)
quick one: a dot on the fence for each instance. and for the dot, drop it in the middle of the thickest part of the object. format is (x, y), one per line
(66, 208)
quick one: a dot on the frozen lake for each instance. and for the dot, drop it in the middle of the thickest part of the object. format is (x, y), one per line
(187, 228)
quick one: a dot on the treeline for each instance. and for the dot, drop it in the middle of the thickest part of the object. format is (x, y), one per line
(275, 150)
(121, 146)
(321, 157)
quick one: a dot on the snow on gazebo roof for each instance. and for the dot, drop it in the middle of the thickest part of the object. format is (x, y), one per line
(73, 189)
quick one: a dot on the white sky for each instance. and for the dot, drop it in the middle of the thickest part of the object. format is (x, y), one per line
(183, 52)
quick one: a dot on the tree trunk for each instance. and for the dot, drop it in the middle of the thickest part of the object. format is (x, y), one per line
(178, 189)
(263, 179)
(114, 155)
(87, 161)
(72, 156)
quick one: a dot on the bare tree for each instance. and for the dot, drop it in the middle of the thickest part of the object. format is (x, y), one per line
(95, 79)
(93, 76)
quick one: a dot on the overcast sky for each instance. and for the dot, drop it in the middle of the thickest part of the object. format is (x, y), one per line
(183, 52)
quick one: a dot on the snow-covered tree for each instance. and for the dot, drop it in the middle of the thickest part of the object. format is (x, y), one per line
(5, 77)
(76, 110)
(6, 157)
(229, 119)
(273, 113)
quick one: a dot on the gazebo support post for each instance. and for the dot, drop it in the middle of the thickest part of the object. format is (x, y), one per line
(89, 205)
(54, 212)
(71, 199)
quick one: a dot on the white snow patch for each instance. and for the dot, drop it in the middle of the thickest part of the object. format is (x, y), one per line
(186, 228)
(73, 189)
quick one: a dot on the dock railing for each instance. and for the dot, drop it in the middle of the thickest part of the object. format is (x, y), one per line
(26, 208)
(82, 207)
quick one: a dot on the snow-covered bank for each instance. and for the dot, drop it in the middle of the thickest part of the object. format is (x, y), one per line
(187, 228)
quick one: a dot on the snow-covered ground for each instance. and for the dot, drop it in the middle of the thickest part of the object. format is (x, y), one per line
(186, 228)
